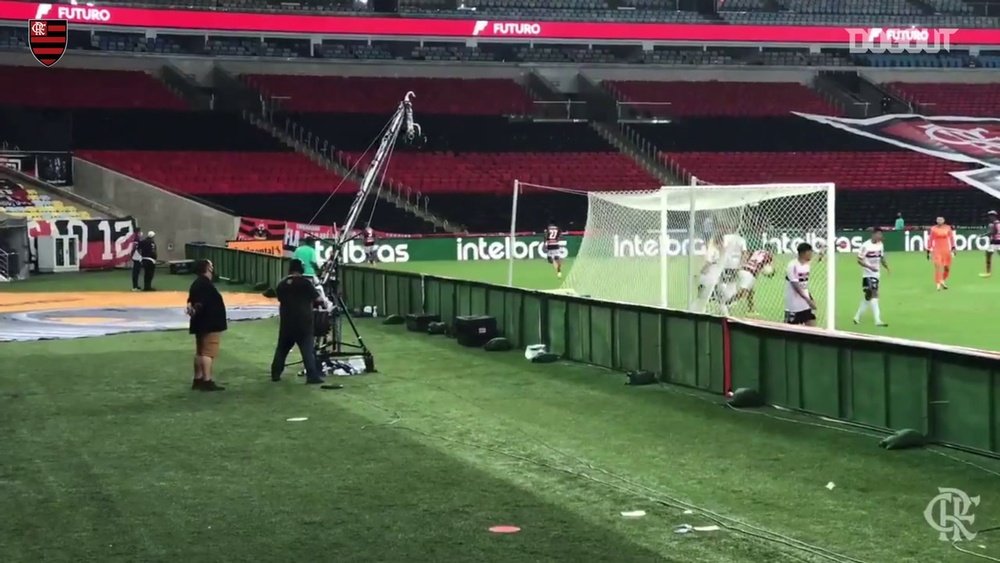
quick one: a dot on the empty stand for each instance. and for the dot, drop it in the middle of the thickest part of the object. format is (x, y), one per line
(477, 172)
(718, 98)
(901, 170)
(204, 173)
(39, 87)
(377, 95)
(974, 100)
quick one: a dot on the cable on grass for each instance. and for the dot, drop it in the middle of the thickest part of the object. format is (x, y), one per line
(973, 553)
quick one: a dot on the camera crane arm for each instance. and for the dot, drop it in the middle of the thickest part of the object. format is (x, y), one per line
(401, 120)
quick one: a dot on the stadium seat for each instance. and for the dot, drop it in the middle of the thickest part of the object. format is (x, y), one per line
(718, 98)
(957, 99)
(81, 88)
(377, 95)
(902, 170)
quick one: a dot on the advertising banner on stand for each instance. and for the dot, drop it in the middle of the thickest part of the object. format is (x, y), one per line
(269, 247)
(102, 243)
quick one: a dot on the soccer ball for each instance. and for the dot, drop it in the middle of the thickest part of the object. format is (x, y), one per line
(767, 270)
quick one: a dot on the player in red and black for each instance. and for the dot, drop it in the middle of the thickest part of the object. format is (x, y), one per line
(553, 247)
(993, 233)
(760, 261)
(371, 256)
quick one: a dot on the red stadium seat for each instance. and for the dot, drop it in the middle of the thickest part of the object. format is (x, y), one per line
(848, 170)
(748, 99)
(223, 173)
(82, 88)
(378, 95)
(495, 172)
(960, 100)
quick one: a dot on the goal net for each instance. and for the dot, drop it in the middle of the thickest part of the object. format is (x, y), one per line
(708, 248)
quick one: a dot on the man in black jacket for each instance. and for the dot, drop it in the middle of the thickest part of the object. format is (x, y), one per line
(147, 249)
(297, 295)
(208, 321)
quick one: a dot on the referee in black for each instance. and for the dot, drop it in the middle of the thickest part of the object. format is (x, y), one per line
(296, 295)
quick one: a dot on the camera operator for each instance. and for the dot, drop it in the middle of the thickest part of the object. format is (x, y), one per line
(297, 294)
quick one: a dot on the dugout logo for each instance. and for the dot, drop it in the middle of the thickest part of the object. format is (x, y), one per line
(47, 40)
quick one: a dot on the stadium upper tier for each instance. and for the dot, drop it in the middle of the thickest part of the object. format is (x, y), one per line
(27, 86)
(14, 39)
(352, 94)
(971, 100)
(848, 170)
(718, 98)
(974, 13)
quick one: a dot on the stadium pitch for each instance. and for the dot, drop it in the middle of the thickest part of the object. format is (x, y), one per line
(910, 303)
(107, 456)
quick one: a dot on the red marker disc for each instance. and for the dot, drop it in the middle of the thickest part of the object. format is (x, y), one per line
(505, 529)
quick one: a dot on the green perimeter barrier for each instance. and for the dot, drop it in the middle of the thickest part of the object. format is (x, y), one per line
(248, 267)
(949, 394)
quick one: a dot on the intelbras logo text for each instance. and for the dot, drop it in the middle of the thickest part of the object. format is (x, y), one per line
(506, 29)
(480, 248)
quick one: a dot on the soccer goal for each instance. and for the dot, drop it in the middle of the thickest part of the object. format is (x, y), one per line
(703, 248)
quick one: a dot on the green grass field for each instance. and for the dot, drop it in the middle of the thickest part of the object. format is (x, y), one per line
(909, 301)
(106, 456)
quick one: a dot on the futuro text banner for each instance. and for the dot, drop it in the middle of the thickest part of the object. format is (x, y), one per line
(116, 16)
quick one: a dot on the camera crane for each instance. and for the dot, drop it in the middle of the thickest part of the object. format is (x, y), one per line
(330, 346)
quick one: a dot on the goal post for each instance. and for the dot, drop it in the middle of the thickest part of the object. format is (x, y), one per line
(657, 247)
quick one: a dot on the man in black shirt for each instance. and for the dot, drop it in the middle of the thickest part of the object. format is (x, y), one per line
(297, 295)
(208, 321)
(147, 250)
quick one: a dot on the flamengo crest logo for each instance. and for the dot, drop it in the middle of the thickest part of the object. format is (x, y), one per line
(899, 40)
(47, 39)
(506, 29)
(969, 140)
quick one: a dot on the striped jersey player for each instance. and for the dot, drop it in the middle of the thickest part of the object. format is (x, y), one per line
(800, 308)
(552, 241)
(759, 262)
(871, 258)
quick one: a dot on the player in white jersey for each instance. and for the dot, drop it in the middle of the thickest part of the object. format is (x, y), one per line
(800, 308)
(711, 273)
(871, 258)
(758, 263)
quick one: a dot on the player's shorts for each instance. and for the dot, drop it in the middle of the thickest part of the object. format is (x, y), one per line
(869, 285)
(554, 253)
(943, 259)
(799, 317)
(207, 344)
(994, 246)
(370, 249)
(746, 280)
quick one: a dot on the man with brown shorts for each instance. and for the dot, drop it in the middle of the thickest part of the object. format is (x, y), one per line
(208, 321)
